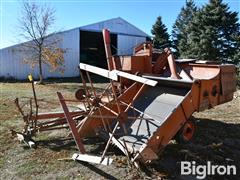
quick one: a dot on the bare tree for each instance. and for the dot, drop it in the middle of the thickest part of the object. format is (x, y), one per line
(35, 24)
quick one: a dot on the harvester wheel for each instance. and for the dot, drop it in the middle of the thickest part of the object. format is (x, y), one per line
(186, 133)
(79, 94)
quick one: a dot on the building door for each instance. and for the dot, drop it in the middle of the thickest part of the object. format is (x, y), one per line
(92, 49)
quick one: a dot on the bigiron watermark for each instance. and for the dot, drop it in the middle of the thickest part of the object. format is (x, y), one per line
(202, 171)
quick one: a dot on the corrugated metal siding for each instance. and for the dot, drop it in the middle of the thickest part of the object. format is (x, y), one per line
(69, 40)
(3, 68)
(20, 70)
(116, 25)
(12, 65)
(11, 60)
(126, 44)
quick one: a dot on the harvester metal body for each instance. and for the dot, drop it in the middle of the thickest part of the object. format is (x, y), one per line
(148, 102)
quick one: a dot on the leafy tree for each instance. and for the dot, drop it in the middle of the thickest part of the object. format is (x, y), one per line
(160, 34)
(35, 24)
(214, 33)
(180, 31)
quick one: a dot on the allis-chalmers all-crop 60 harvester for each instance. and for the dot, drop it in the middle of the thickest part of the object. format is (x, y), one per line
(148, 102)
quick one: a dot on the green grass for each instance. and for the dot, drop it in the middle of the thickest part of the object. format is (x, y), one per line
(27, 163)
(2, 160)
(19, 162)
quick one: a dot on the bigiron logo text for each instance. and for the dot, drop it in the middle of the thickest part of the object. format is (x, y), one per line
(202, 171)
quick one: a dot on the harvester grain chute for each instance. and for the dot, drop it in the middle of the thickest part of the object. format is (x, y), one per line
(148, 102)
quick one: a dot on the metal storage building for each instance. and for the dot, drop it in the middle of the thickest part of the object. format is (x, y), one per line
(83, 44)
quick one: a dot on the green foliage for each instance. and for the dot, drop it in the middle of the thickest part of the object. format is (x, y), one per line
(213, 34)
(160, 34)
(180, 31)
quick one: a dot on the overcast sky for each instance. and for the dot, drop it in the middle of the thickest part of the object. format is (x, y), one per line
(75, 13)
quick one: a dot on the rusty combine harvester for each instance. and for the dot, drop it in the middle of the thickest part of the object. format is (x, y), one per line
(148, 102)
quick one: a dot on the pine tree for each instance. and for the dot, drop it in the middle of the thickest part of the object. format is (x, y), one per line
(235, 57)
(160, 34)
(180, 28)
(213, 35)
(200, 38)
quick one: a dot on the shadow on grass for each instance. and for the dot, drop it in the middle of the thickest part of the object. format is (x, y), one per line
(93, 145)
(97, 170)
(95, 78)
(57, 144)
(97, 146)
(214, 141)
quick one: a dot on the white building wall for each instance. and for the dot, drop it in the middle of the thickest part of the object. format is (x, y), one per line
(11, 60)
(126, 44)
(69, 40)
(4, 63)
(12, 64)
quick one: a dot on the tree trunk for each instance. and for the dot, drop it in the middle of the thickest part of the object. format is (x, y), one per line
(40, 67)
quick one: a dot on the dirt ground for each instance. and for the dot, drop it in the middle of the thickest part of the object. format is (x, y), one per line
(217, 139)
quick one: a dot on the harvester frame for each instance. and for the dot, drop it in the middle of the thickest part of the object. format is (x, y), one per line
(148, 102)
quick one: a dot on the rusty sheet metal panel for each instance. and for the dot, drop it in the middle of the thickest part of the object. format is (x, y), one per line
(203, 71)
(168, 128)
(228, 79)
(135, 64)
(209, 93)
(157, 104)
